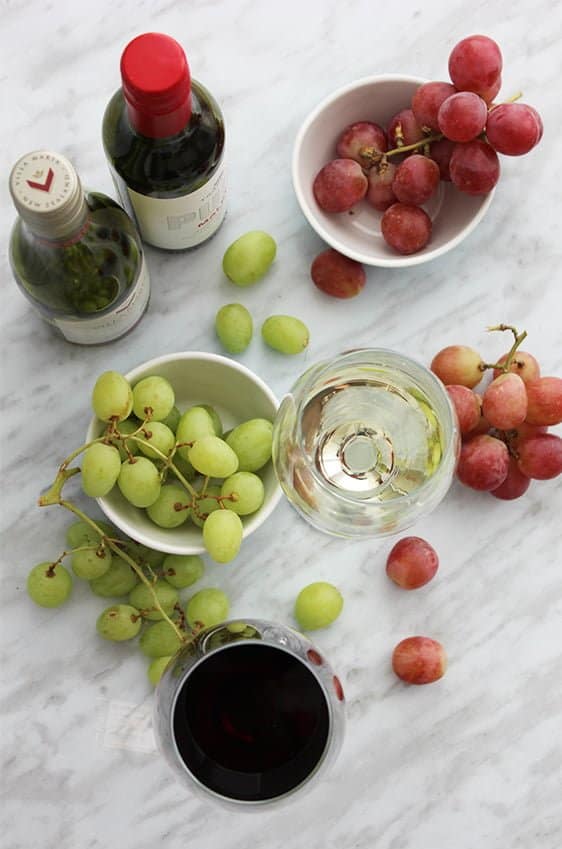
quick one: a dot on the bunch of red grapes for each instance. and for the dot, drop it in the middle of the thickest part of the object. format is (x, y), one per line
(505, 439)
(452, 131)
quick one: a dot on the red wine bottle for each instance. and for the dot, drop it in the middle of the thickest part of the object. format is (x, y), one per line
(163, 135)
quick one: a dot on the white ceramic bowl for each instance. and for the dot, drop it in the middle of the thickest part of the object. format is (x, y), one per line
(358, 236)
(237, 394)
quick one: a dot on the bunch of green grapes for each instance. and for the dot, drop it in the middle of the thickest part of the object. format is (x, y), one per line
(178, 467)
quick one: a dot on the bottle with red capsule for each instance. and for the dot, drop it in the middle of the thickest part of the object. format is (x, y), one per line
(164, 138)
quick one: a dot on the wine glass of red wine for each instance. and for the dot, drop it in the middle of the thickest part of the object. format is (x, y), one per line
(249, 713)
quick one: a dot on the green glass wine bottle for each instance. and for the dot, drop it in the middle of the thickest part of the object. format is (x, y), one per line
(163, 135)
(76, 255)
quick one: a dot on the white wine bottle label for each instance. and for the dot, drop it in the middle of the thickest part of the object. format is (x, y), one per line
(111, 325)
(177, 223)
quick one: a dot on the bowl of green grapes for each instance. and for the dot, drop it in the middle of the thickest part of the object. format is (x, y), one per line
(180, 453)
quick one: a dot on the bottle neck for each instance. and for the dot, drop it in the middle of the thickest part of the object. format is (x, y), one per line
(158, 126)
(80, 227)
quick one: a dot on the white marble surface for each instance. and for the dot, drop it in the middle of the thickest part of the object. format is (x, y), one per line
(473, 761)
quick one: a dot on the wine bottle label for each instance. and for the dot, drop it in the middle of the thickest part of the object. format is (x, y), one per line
(177, 223)
(111, 325)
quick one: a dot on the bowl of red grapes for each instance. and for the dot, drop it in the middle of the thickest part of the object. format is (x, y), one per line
(396, 170)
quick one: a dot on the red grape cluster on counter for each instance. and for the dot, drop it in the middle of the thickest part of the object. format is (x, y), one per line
(505, 436)
(451, 131)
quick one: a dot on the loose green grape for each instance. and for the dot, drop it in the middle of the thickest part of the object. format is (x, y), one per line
(139, 482)
(234, 327)
(126, 427)
(222, 535)
(318, 605)
(209, 607)
(184, 467)
(213, 458)
(153, 395)
(249, 257)
(251, 442)
(91, 563)
(247, 493)
(158, 435)
(80, 533)
(156, 669)
(285, 334)
(49, 584)
(143, 555)
(159, 640)
(194, 424)
(141, 597)
(112, 397)
(119, 622)
(118, 581)
(101, 465)
(182, 570)
(172, 420)
(206, 506)
(163, 512)
(215, 418)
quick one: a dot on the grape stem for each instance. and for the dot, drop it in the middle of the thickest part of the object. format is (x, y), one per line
(517, 339)
(374, 156)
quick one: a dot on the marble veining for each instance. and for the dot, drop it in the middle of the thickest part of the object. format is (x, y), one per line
(473, 761)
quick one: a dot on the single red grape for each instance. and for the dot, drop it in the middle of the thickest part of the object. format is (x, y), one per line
(404, 129)
(523, 364)
(488, 94)
(474, 167)
(513, 128)
(440, 152)
(505, 401)
(483, 463)
(462, 116)
(416, 179)
(515, 484)
(406, 228)
(337, 275)
(475, 63)
(339, 185)
(412, 563)
(458, 364)
(379, 193)
(427, 100)
(362, 134)
(419, 660)
(540, 457)
(467, 407)
(544, 401)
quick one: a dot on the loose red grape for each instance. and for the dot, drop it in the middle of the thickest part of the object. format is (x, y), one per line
(467, 407)
(513, 128)
(339, 185)
(523, 364)
(475, 63)
(458, 364)
(362, 134)
(540, 457)
(505, 401)
(462, 116)
(404, 129)
(406, 228)
(440, 152)
(412, 563)
(474, 167)
(515, 484)
(379, 193)
(416, 179)
(427, 100)
(483, 463)
(544, 397)
(337, 275)
(419, 660)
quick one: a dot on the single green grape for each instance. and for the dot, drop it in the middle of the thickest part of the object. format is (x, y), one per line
(247, 493)
(234, 327)
(172, 420)
(112, 397)
(141, 598)
(285, 334)
(215, 418)
(209, 607)
(156, 669)
(159, 436)
(91, 563)
(213, 458)
(163, 512)
(159, 640)
(100, 467)
(249, 257)
(222, 535)
(251, 441)
(194, 424)
(49, 584)
(139, 481)
(118, 581)
(182, 570)
(126, 427)
(318, 605)
(119, 622)
(206, 506)
(80, 533)
(155, 395)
